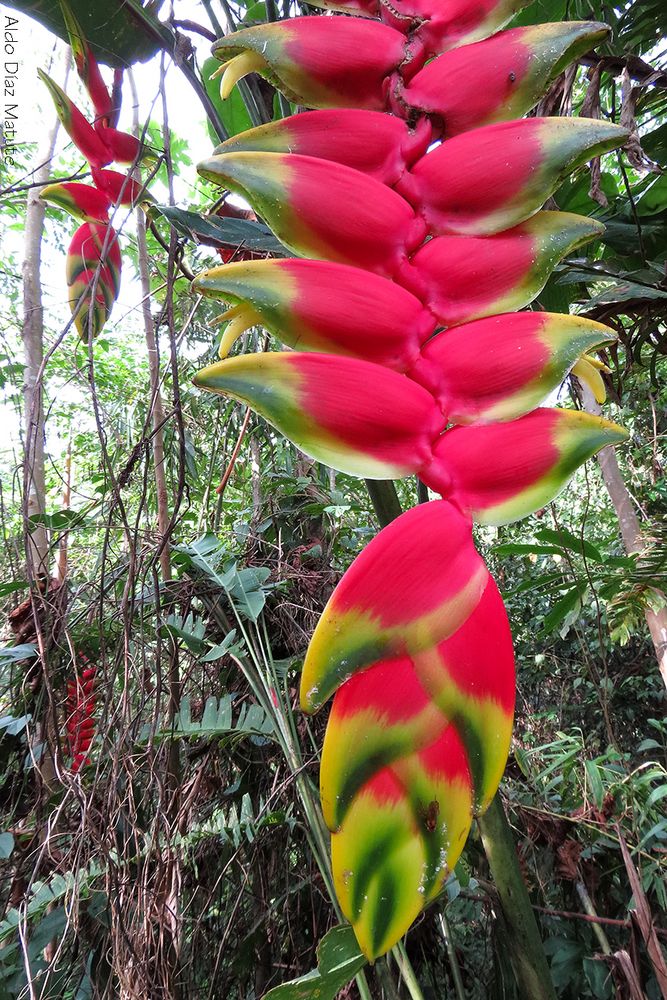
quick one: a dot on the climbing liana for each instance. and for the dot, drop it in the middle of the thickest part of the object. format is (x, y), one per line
(411, 193)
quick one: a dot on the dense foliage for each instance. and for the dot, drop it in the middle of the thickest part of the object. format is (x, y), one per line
(181, 853)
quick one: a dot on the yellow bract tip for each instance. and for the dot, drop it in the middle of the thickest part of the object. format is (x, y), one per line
(240, 318)
(237, 68)
(589, 374)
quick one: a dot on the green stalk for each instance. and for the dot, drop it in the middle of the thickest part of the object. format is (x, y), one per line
(528, 957)
(407, 972)
(385, 500)
(526, 950)
(451, 954)
(266, 687)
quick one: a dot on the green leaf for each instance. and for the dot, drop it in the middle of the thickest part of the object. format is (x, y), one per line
(598, 975)
(648, 745)
(116, 34)
(567, 605)
(256, 13)
(525, 548)
(226, 646)
(595, 782)
(338, 961)
(188, 629)
(654, 199)
(59, 520)
(244, 587)
(6, 845)
(213, 231)
(656, 796)
(654, 144)
(50, 926)
(217, 722)
(12, 588)
(24, 651)
(625, 291)
(566, 540)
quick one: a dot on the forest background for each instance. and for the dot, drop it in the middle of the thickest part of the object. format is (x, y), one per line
(191, 550)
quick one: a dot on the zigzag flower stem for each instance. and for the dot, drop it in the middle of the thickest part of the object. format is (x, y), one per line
(412, 198)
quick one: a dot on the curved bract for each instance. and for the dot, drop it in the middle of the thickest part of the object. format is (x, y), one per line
(438, 26)
(411, 587)
(462, 278)
(411, 359)
(320, 306)
(355, 416)
(303, 61)
(379, 145)
(503, 366)
(80, 200)
(491, 179)
(93, 267)
(497, 79)
(361, 221)
(502, 472)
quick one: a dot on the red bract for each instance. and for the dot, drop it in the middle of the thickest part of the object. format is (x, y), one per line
(355, 416)
(411, 587)
(86, 64)
(501, 367)
(93, 259)
(81, 132)
(379, 145)
(351, 68)
(490, 179)
(93, 263)
(119, 188)
(438, 26)
(497, 79)
(123, 147)
(462, 278)
(502, 472)
(360, 222)
(79, 722)
(318, 306)
(80, 200)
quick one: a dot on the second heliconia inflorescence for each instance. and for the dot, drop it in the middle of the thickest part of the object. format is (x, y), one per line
(93, 263)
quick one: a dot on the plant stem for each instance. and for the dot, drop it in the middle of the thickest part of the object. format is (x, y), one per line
(407, 972)
(587, 902)
(385, 500)
(528, 958)
(631, 531)
(451, 954)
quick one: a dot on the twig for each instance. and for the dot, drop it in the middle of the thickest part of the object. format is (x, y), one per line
(220, 489)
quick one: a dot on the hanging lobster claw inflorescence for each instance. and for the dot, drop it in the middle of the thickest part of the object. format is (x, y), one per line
(93, 259)
(419, 194)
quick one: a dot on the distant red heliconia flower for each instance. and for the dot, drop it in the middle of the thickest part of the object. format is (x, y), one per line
(80, 709)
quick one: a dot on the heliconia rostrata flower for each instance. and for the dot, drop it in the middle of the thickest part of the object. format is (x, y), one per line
(93, 262)
(416, 190)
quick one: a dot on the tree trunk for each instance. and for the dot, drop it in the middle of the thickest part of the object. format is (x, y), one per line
(37, 546)
(631, 532)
